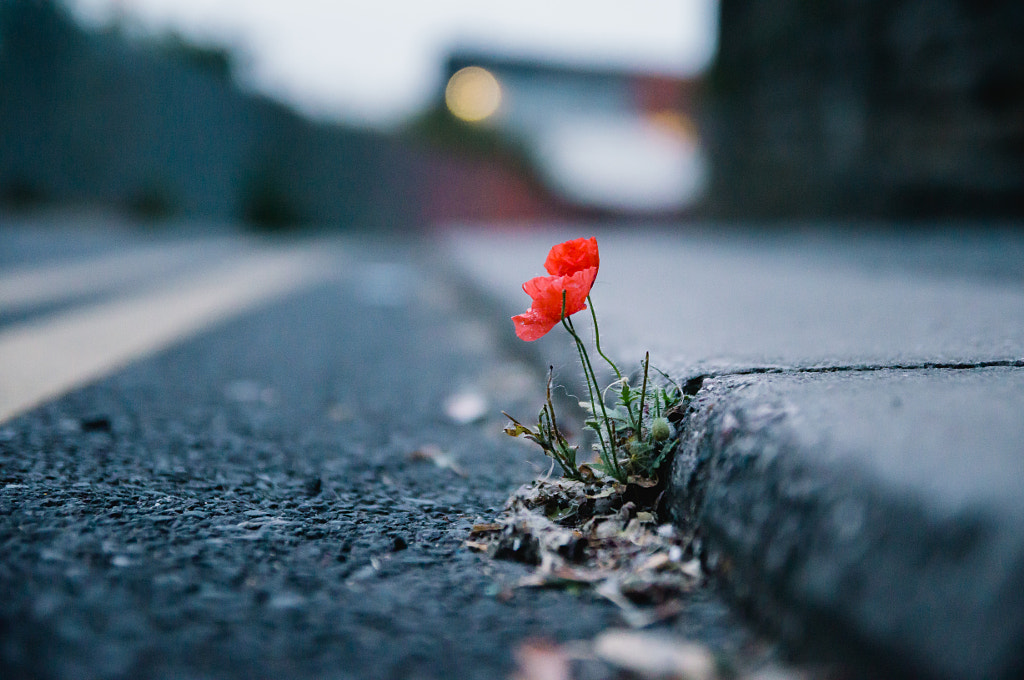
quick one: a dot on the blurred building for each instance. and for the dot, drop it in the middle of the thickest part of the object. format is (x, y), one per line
(598, 140)
(868, 108)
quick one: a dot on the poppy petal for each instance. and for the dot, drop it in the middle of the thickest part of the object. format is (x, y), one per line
(546, 310)
(546, 292)
(532, 325)
(572, 256)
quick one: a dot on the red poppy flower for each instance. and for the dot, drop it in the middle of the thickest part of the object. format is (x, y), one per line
(572, 256)
(546, 310)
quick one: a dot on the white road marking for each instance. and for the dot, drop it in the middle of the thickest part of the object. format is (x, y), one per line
(46, 358)
(97, 274)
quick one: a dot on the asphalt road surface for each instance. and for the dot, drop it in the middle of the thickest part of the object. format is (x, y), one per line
(272, 483)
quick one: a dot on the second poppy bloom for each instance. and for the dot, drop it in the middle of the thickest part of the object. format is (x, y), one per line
(573, 256)
(573, 266)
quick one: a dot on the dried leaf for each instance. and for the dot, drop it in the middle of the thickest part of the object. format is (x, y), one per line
(561, 576)
(608, 529)
(434, 454)
(587, 473)
(635, 532)
(624, 556)
(655, 656)
(561, 514)
(633, 615)
(541, 660)
(655, 562)
(516, 430)
(692, 568)
(606, 491)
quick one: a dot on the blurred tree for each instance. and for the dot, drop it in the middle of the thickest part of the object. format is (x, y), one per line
(157, 126)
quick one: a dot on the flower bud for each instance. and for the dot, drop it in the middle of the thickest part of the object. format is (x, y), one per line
(660, 429)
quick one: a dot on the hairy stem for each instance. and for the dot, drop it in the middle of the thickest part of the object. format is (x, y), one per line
(569, 462)
(597, 339)
(611, 459)
(591, 386)
(643, 394)
(581, 351)
(634, 421)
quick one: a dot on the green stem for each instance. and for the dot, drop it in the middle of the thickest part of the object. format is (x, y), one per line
(545, 444)
(569, 464)
(581, 350)
(597, 339)
(643, 394)
(590, 388)
(634, 421)
(611, 459)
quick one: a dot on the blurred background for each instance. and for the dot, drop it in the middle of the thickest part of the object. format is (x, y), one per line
(399, 114)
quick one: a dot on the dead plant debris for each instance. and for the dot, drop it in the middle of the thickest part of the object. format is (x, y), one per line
(602, 535)
(642, 655)
(432, 453)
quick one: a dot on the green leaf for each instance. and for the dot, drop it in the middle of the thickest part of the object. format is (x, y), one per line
(619, 413)
(558, 514)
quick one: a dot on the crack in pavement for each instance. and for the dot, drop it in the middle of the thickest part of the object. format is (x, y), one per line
(693, 383)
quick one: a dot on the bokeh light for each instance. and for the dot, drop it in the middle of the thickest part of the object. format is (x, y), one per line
(473, 94)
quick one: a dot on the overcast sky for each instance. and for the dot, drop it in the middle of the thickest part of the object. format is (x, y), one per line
(378, 61)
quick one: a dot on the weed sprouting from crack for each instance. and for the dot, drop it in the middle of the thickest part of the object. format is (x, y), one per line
(597, 526)
(633, 433)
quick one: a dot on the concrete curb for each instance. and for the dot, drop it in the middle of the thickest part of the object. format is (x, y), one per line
(884, 564)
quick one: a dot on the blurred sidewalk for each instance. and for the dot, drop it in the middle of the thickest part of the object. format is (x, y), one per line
(855, 453)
